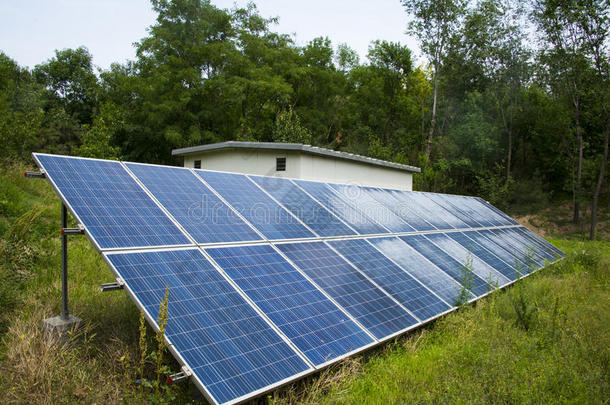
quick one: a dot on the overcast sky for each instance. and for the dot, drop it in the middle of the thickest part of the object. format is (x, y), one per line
(31, 30)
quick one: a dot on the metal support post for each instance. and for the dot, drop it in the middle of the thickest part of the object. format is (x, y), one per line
(64, 263)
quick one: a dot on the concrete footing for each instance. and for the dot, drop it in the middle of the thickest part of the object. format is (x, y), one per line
(59, 326)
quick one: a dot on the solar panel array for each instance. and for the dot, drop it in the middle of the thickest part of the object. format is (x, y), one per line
(271, 279)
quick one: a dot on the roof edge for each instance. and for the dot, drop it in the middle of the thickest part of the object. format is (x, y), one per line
(313, 150)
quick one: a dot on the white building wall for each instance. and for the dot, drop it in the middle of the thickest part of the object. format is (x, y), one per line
(302, 166)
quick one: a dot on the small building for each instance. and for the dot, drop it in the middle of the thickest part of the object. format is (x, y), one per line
(298, 161)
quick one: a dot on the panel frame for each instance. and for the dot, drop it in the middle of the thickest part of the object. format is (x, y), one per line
(79, 221)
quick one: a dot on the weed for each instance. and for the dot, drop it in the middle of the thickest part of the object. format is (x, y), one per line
(466, 282)
(524, 309)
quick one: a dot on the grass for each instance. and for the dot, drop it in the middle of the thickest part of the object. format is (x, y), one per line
(546, 339)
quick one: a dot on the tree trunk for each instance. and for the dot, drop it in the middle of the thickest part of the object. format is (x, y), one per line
(510, 154)
(433, 121)
(598, 187)
(576, 196)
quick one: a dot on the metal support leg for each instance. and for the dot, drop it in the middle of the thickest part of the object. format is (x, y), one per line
(64, 322)
(64, 264)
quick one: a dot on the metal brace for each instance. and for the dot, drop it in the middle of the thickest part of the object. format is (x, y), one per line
(181, 376)
(119, 284)
(73, 231)
(35, 175)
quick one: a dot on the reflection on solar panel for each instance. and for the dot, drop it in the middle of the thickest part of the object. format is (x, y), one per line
(193, 204)
(318, 218)
(336, 204)
(272, 279)
(402, 286)
(373, 208)
(452, 266)
(258, 208)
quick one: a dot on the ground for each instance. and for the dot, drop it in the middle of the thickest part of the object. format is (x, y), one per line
(546, 339)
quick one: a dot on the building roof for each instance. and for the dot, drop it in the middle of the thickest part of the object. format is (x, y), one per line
(299, 147)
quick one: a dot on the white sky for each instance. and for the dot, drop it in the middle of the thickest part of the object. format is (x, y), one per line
(31, 30)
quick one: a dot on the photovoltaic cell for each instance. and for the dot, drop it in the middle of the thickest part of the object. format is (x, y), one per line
(527, 233)
(463, 255)
(527, 249)
(403, 287)
(310, 320)
(228, 346)
(505, 253)
(258, 208)
(375, 310)
(509, 220)
(470, 207)
(485, 254)
(303, 206)
(373, 209)
(419, 267)
(543, 249)
(424, 208)
(114, 209)
(526, 259)
(340, 207)
(483, 209)
(401, 208)
(448, 264)
(204, 216)
(450, 206)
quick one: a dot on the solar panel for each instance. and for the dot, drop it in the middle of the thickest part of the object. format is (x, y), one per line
(418, 299)
(258, 208)
(401, 208)
(371, 307)
(231, 350)
(336, 204)
(486, 255)
(457, 270)
(202, 214)
(422, 269)
(295, 200)
(450, 205)
(526, 259)
(372, 208)
(289, 275)
(114, 209)
(463, 255)
(306, 316)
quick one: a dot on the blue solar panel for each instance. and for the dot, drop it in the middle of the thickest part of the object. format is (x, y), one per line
(204, 216)
(115, 210)
(509, 220)
(526, 258)
(540, 250)
(473, 209)
(485, 254)
(318, 218)
(373, 209)
(450, 205)
(438, 210)
(448, 264)
(419, 267)
(258, 208)
(527, 248)
(552, 250)
(228, 346)
(309, 319)
(401, 208)
(463, 255)
(403, 287)
(421, 208)
(508, 256)
(375, 310)
(336, 204)
(483, 210)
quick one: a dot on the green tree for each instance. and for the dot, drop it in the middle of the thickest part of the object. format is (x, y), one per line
(434, 23)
